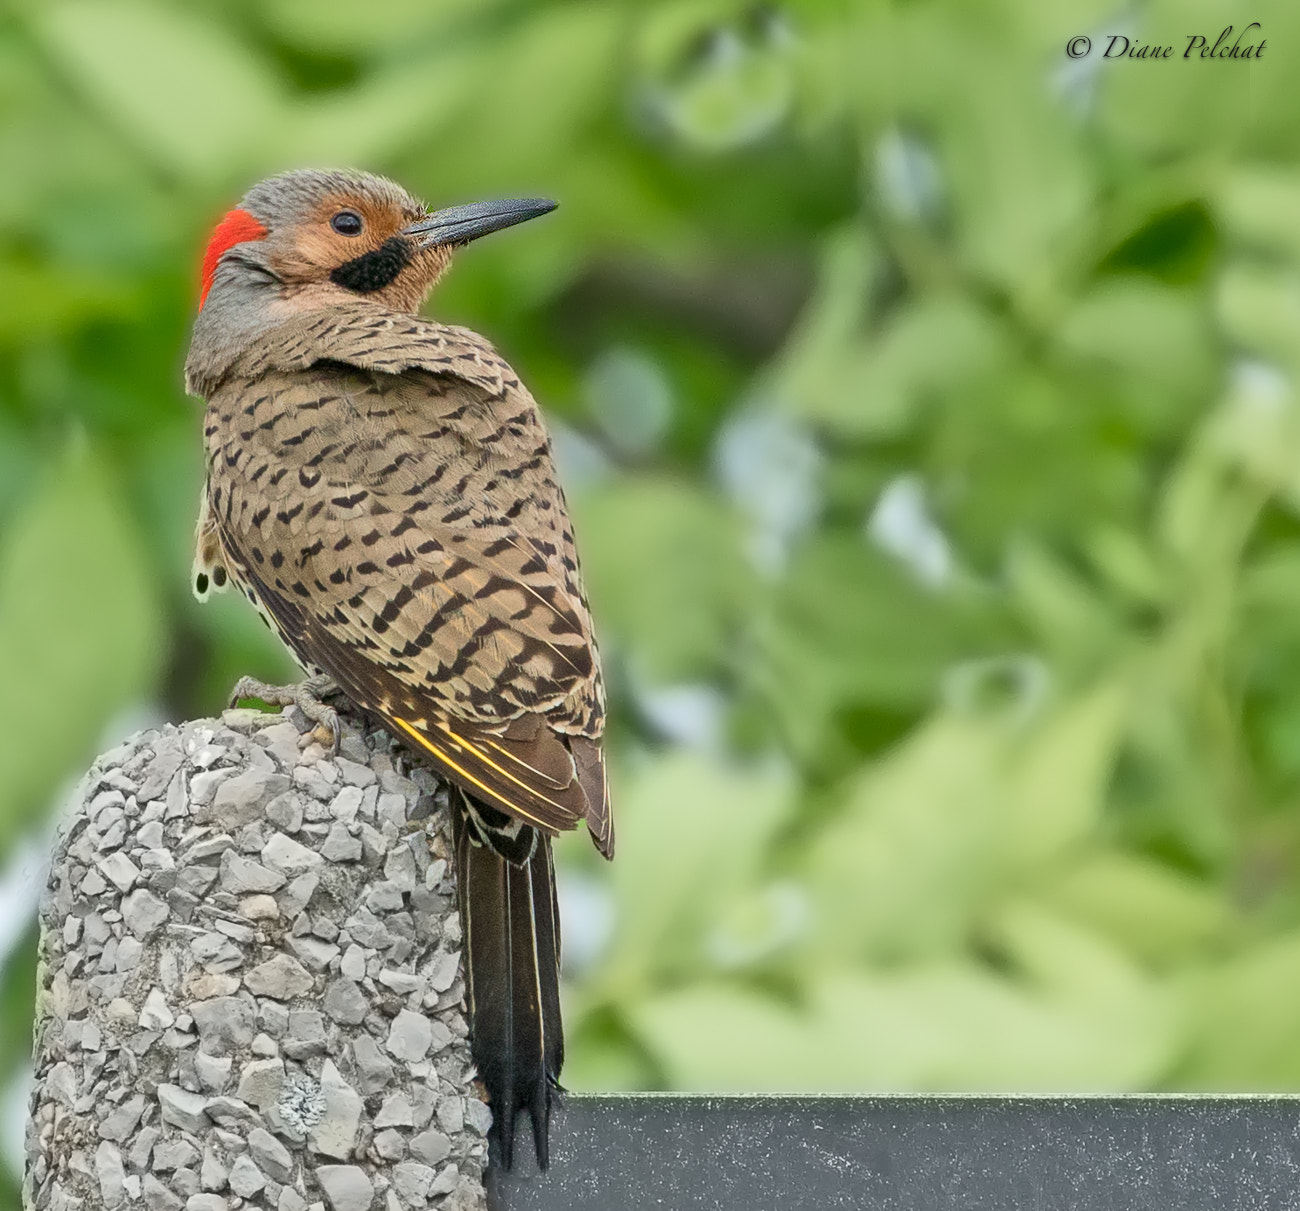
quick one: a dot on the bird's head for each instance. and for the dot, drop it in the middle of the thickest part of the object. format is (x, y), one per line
(307, 240)
(319, 237)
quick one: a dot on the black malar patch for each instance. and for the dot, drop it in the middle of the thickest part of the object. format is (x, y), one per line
(374, 270)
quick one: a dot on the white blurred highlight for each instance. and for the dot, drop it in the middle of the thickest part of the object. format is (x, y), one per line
(586, 920)
(770, 466)
(901, 524)
(13, 1121)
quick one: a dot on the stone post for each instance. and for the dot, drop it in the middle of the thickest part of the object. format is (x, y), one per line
(250, 989)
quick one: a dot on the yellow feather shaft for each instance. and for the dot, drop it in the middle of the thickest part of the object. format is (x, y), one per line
(423, 740)
(505, 773)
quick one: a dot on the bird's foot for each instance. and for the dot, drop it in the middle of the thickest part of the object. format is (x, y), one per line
(306, 696)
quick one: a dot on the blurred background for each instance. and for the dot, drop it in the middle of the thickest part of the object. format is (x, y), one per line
(926, 401)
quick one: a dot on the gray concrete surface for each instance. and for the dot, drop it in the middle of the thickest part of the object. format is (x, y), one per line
(915, 1154)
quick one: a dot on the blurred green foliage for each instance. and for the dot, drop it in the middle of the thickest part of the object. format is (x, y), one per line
(927, 402)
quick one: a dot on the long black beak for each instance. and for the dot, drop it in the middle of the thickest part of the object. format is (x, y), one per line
(460, 224)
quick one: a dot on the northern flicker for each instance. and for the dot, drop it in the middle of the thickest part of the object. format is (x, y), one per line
(380, 487)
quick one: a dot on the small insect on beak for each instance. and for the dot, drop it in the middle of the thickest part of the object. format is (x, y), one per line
(460, 224)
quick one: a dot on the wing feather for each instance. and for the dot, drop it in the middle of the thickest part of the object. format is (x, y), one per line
(405, 533)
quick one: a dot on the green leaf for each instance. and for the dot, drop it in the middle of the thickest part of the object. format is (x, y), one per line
(925, 352)
(667, 577)
(915, 854)
(830, 370)
(671, 894)
(1065, 613)
(1062, 773)
(947, 1026)
(719, 1038)
(1261, 207)
(1258, 305)
(1154, 912)
(1020, 183)
(714, 100)
(1156, 336)
(1256, 429)
(511, 136)
(179, 86)
(851, 626)
(930, 838)
(1152, 114)
(378, 25)
(379, 117)
(36, 302)
(958, 1026)
(1245, 1020)
(80, 632)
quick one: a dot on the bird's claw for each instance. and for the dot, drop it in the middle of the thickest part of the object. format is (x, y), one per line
(306, 696)
(328, 732)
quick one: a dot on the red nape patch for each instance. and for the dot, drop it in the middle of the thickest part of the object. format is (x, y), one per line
(236, 228)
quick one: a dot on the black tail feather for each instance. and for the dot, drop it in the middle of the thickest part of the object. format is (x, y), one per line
(512, 951)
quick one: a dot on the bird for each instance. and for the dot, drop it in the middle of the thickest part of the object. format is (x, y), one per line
(380, 486)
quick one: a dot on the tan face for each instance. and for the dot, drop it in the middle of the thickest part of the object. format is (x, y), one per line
(354, 243)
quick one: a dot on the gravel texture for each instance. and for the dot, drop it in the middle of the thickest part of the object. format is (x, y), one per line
(250, 988)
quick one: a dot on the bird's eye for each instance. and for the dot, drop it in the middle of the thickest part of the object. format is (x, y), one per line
(347, 222)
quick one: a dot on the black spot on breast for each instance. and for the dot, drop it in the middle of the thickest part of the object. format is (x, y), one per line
(201, 582)
(219, 576)
(374, 270)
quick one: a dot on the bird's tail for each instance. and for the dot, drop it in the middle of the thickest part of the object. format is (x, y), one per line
(511, 925)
